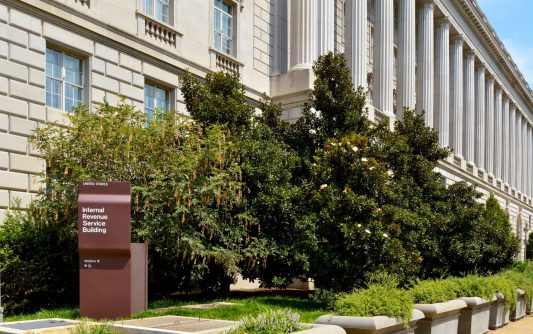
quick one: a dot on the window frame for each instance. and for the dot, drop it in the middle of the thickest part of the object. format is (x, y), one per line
(171, 6)
(236, 7)
(156, 85)
(83, 77)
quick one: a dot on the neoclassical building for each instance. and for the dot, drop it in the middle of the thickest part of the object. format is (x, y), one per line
(440, 57)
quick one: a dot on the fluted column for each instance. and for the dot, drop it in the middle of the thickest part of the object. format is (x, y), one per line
(303, 33)
(489, 126)
(518, 162)
(498, 133)
(406, 57)
(456, 95)
(530, 160)
(505, 136)
(356, 40)
(442, 81)
(469, 106)
(326, 26)
(512, 146)
(425, 54)
(525, 171)
(384, 56)
(480, 118)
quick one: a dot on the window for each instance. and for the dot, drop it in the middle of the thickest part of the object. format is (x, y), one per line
(155, 99)
(64, 80)
(159, 9)
(223, 27)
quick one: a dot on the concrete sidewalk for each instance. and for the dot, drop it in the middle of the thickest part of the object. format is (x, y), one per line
(524, 326)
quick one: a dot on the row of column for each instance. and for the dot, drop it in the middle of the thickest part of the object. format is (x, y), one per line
(470, 111)
(461, 100)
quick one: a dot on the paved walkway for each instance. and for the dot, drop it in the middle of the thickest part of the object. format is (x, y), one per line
(524, 326)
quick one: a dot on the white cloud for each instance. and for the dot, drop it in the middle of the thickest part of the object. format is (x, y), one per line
(521, 54)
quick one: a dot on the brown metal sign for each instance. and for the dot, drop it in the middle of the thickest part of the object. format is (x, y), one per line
(104, 216)
(110, 286)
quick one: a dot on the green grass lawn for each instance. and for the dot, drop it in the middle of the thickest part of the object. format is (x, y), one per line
(308, 309)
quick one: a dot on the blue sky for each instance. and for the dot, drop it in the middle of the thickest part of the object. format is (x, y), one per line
(513, 22)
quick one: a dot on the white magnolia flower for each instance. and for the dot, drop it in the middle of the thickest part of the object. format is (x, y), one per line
(367, 231)
(371, 168)
(323, 186)
(364, 159)
(390, 173)
(358, 225)
(385, 235)
(355, 148)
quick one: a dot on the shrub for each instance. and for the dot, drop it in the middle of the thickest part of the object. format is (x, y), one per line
(434, 291)
(473, 286)
(505, 286)
(522, 279)
(271, 322)
(185, 190)
(38, 264)
(377, 300)
(88, 328)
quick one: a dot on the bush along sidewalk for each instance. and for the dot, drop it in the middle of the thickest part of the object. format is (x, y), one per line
(437, 300)
(381, 308)
(466, 305)
(478, 294)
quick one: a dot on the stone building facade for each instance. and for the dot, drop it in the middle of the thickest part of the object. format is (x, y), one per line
(437, 56)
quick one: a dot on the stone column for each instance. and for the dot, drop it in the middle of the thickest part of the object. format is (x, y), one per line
(505, 136)
(529, 180)
(384, 56)
(518, 162)
(406, 57)
(442, 81)
(425, 54)
(303, 33)
(525, 171)
(480, 118)
(456, 95)
(512, 146)
(498, 133)
(469, 107)
(489, 126)
(326, 26)
(356, 40)
(530, 161)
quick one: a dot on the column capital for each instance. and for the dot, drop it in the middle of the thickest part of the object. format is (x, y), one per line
(457, 38)
(471, 53)
(443, 21)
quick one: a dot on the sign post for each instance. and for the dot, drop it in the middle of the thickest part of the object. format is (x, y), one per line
(113, 279)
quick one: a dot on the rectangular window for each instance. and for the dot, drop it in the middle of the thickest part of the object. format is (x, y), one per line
(64, 80)
(223, 27)
(159, 9)
(156, 99)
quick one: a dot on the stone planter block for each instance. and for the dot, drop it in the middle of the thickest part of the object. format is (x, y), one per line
(530, 308)
(440, 318)
(474, 319)
(371, 325)
(323, 329)
(520, 310)
(499, 316)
